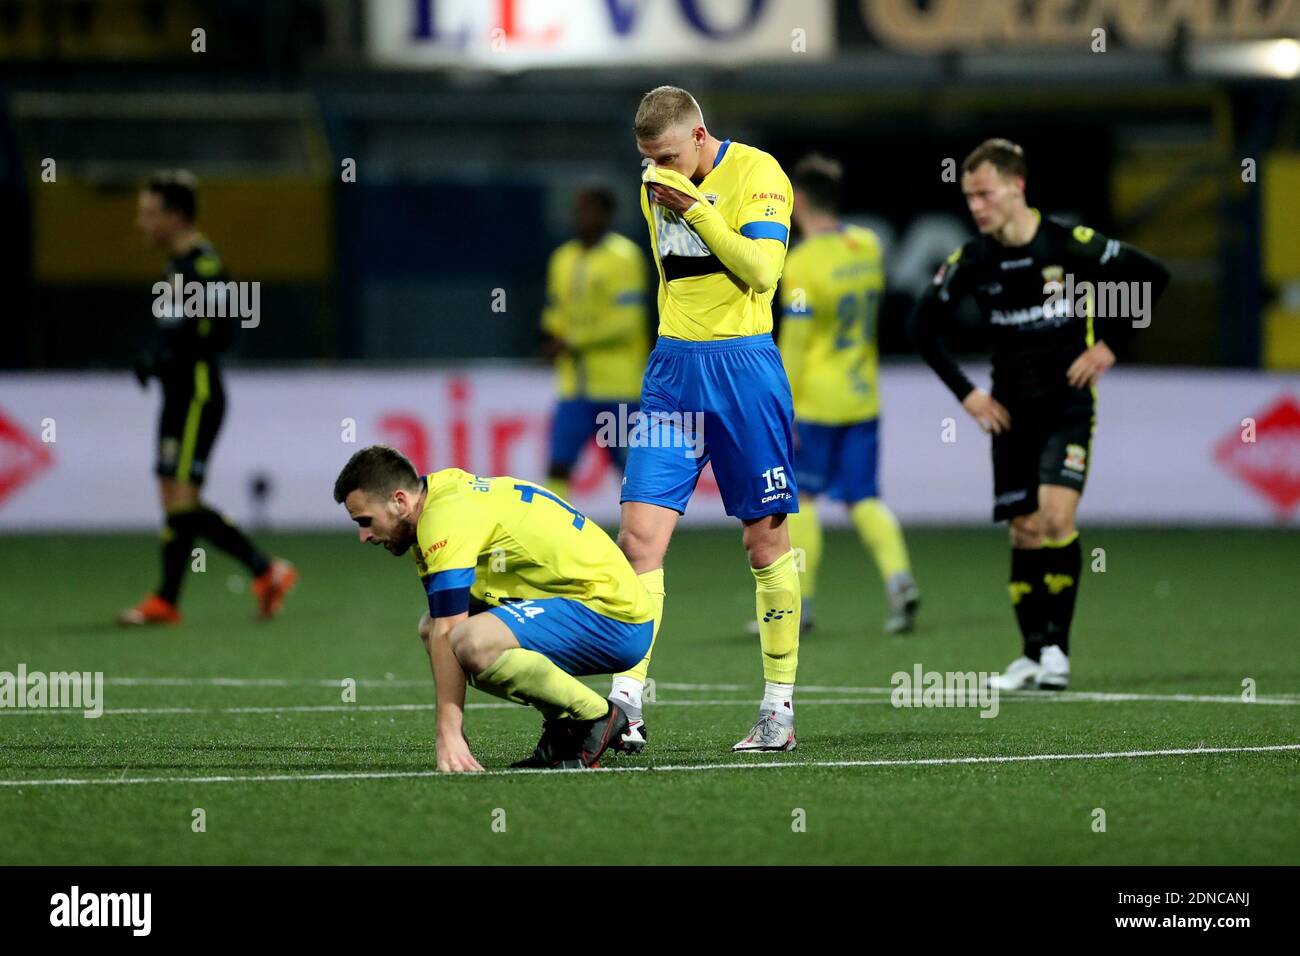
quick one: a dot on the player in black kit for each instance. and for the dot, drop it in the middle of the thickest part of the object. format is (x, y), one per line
(184, 359)
(1060, 303)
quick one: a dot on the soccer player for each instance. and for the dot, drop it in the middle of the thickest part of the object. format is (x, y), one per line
(719, 218)
(553, 598)
(596, 327)
(830, 296)
(184, 359)
(1048, 350)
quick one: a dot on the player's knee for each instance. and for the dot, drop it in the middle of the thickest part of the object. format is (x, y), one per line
(473, 649)
(766, 540)
(1057, 524)
(641, 544)
(1026, 532)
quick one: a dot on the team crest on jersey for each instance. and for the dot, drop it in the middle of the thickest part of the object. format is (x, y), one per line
(1076, 457)
(1053, 273)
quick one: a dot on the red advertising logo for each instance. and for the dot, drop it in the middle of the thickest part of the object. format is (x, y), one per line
(1271, 463)
(22, 457)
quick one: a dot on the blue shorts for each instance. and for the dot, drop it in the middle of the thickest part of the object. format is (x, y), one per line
(839, 461)
(575, 422)
(576, 638)
(726, 402)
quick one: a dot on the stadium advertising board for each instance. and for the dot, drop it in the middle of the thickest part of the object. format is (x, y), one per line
(76, 451)
(520, 34)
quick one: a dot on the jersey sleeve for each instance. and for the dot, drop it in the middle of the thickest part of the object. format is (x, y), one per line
(553, 311)
(448, 558)
(768, 204)
(1102, 259)
(934, 310)
(754, 251)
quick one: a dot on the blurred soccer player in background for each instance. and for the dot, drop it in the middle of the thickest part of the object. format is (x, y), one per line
(1048, 351)
(595, 322)
(831, 291)
(719, 219)
(525, 595)
(184, 359)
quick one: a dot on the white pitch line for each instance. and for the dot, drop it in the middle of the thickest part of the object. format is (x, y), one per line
(951, 701)
(331, 708)
(775, 764)
(1061, 696)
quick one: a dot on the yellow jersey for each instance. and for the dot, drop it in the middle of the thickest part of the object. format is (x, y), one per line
(701, 296)
(595, 303)
(830, 300)
(505, 538)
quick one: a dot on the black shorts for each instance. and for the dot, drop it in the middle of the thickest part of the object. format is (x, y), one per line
(1041, 449)
(192, 410)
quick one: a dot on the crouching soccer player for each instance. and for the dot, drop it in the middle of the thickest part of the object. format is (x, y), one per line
(554, 596)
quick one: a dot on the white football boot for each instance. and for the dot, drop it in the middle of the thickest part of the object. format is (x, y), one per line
(904, 599)
(1053, 669)
(1020, 674)
(771, 733)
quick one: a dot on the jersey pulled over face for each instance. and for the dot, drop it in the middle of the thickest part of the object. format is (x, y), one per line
(830, 300)
(699, 300)
(504, 539)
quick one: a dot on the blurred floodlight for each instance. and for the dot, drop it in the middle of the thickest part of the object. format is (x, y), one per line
(1273, 59)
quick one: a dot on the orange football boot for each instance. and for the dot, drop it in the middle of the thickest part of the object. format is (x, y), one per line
(271, 587)
(152, 610)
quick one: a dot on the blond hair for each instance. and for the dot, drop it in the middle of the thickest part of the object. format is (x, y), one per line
(662, 107)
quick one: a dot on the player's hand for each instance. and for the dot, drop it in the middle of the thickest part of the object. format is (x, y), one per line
(144, 370)
(991, 414)
(1088, 367)
(670, 198)
(454, 755)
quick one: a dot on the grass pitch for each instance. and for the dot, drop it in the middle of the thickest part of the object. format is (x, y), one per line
(247, 721)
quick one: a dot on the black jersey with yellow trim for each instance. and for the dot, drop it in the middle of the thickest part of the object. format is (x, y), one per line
(1042, 304)
(183, 340)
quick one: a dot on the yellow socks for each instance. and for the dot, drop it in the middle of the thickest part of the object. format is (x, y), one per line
(881, 535)
(629, 682)
(778, 606)
(806, 537)
(527, 677)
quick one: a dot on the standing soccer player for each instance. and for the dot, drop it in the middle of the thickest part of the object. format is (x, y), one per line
(1048, 352)
(719, 220)
(831, 291)
(596, 324)
(184, 359)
